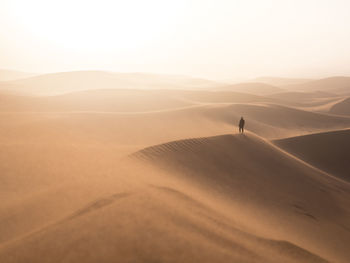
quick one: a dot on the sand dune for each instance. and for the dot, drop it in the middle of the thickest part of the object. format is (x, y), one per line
(130, 130)
(161, 225)
(302, 96)
(341, 108)
(252, 88)
(146, 213)
(280, 82)
(317, 101)
(9, 75)
(59, 83)
(273, 121)
(267, 183)
(337, 85)
(71, 192)
(328, 151)
(94, 100)
(122, 100)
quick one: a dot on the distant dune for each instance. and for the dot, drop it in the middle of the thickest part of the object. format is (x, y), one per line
(337, 85)
(122, 100)
(341, 108)
(318, 101)
(302, 96)
(123, 129)
(280, 81)
(328, 151)
(252, 88)
(9, 75)
(276, 121)
(58, 83)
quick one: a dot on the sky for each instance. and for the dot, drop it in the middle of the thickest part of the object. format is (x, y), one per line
(217, 39)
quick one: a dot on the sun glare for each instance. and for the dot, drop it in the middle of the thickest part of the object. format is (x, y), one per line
(206, 38)
(96, 25)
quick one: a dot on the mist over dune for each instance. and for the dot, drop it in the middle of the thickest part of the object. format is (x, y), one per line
(123, 100)
(136, 167)
(280, 82)
(165, 131)
(10, 75)
(253, 88)
(63, 82)
(338, 85)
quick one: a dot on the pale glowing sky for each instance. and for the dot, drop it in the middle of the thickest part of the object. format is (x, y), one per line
(207, 38)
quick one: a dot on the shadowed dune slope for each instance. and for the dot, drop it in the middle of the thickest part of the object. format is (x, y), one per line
(341, 108)
(328, 151)
(158, 224)
(268, 183)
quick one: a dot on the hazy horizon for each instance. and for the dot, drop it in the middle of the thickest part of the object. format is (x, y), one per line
(231, 79)
(221, 40)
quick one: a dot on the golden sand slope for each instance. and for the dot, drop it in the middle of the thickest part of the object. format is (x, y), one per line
(328, 151)
(280, 193)
(66, 196)
(217, 207)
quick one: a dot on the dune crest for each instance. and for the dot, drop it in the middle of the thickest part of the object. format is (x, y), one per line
(244, 169)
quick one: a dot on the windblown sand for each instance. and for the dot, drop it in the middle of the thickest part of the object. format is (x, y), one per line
(162, 175)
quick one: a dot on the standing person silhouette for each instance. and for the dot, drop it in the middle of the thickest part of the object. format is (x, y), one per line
(241, 125)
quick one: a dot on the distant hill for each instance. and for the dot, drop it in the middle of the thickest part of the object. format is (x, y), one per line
(122, 100)
(280, 81)
(63, 82)
(341, 108)
(299, 95)
(255, 88)
(9, 75)
(328, 151)
(338, 85)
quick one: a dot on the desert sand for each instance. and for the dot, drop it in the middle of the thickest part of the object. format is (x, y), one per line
(113, 167)
(328, 151)
(341, 107)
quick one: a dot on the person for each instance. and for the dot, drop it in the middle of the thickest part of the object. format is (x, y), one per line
(241, 125)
